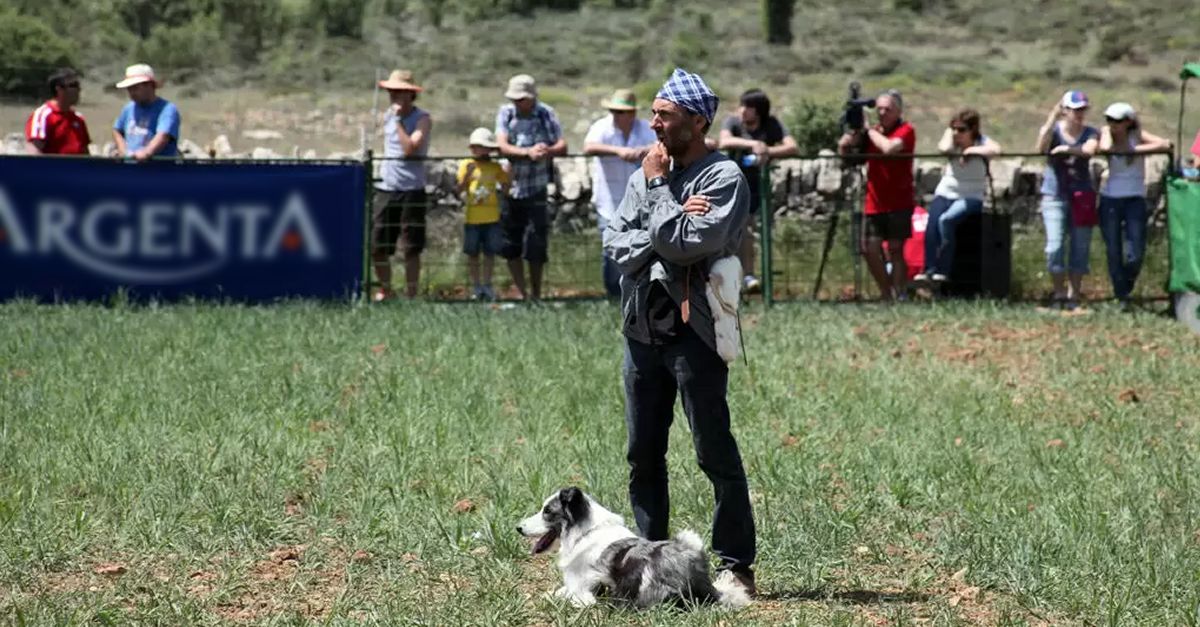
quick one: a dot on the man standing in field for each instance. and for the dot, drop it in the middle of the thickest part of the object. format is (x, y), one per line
(890, 192)
(55, 128)
(684, 209)
(148, 126)
(619, 142)
(530, 136)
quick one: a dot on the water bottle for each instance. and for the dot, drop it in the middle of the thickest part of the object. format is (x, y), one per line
(749, 160)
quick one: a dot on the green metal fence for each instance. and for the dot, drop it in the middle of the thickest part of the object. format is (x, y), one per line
(817, 258)
(800, 258)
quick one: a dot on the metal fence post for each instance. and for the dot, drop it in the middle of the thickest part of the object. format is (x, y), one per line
(856, 227)
(764, 228)
(368, 219)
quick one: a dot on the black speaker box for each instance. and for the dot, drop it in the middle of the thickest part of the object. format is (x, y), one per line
(982, 257)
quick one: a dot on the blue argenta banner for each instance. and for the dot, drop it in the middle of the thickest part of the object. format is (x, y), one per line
(85, 228)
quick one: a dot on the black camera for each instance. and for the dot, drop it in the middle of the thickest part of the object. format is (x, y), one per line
(854, 118)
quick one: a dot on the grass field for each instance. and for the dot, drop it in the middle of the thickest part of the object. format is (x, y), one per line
(950, 465)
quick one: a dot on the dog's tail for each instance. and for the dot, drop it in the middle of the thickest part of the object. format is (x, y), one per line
(730, 593)
(690, 539)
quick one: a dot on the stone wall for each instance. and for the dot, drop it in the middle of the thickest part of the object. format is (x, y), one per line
(808, 189)
(801, 189)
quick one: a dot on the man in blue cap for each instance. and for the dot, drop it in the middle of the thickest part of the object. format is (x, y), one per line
(683, 210)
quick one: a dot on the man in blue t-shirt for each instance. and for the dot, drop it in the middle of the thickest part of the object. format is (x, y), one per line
(148, 126)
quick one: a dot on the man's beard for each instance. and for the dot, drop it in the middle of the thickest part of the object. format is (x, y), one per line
(677, 145)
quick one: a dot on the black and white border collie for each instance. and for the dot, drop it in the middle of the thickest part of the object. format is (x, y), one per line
(598, 555)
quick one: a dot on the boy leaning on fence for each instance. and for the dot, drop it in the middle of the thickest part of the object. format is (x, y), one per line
(484, 181)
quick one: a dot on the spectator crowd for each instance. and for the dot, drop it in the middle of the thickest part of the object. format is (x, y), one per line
(504, 182)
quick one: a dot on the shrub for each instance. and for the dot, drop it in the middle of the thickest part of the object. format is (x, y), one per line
(249, 26)
(691, 45)
(912, 6)
(143, 16)
(184, 50)
(814, 125)
(31, 52)
(341, 18)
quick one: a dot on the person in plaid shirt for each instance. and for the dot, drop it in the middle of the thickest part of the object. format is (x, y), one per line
(528, 133)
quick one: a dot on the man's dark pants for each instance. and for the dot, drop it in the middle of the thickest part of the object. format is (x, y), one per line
(653, 376)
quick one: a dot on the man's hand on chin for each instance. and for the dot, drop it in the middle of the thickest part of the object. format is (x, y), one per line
(656, 162)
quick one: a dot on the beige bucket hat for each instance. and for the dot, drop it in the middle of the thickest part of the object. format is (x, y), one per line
(400, 80)
(521, 86)
(482, 137)
(621, 100)
(138, 73)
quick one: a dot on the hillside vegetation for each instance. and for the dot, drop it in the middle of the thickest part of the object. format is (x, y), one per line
(1009, 59)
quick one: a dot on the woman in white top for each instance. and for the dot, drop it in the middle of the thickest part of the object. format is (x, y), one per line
(1123, 197)
(959, 194)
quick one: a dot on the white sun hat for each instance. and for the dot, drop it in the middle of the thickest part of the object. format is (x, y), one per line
(138, 73)
(482, 137)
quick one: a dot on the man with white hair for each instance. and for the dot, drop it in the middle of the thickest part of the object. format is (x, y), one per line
(148, 126)
(618, 141)
(684, 210)
(891, 194)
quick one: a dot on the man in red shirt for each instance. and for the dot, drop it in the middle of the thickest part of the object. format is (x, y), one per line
(55, 128)
(890, 191)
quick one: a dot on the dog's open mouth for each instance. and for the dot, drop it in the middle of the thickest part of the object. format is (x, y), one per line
(543, 543)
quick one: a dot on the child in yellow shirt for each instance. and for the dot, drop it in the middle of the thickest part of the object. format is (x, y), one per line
(484, 182)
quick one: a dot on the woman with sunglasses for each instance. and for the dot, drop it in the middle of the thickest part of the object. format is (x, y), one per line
(55, 128)
(1068, 196)
(959, 194)
(1123, 198)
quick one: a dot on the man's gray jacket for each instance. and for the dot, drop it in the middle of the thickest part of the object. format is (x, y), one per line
(652, 239)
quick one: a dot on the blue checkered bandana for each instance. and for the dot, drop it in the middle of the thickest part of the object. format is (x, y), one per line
(689, 91)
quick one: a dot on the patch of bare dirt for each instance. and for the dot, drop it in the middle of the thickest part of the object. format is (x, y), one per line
(271, 584)
(293, 580)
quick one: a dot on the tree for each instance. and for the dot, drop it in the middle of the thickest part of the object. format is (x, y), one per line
(31, 52)
(777, 21)
(342, 18)
(143, 15)
(250, 26)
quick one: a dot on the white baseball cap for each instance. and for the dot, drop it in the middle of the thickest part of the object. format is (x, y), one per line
(1120, 111)
(1075, 99)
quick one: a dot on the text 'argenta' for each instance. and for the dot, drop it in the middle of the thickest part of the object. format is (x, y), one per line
(160, 241)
